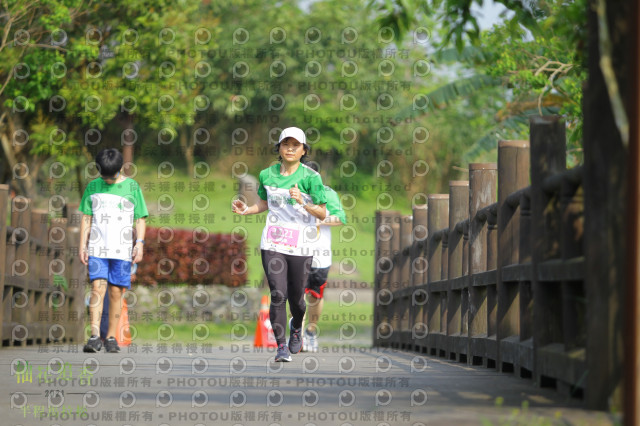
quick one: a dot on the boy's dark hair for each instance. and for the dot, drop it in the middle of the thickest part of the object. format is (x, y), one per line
(109, 161)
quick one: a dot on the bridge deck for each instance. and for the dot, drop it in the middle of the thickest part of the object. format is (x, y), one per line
(240, 385)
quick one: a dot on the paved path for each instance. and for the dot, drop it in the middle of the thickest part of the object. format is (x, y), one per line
(239, 385)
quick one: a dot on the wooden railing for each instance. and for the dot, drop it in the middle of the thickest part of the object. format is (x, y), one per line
(492, 273)
(42, 279)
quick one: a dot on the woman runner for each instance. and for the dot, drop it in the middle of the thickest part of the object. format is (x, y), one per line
(295, 197)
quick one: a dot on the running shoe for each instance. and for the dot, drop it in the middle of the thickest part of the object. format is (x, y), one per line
(283, 354)
(111, 345)
(295, 338)
(94, 344)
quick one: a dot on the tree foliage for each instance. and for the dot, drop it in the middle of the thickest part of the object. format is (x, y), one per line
(458, 23)
(36, 39)
(543, 68)
(212, 83)
(547, 71)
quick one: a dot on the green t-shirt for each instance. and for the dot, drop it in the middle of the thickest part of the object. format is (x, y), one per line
(290, 229)
(322, 250)
(334, 207)
(114, 209)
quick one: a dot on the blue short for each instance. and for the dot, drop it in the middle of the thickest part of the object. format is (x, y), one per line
(115, 271)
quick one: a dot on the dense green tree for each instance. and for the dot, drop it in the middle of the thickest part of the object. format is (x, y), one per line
(215, 81)
(37, 38)
(543, 68)
(62, 83)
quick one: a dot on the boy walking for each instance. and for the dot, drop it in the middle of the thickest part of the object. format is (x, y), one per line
(111, 205)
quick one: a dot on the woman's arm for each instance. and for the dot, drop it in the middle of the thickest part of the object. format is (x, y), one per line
(317, 210)
(239, 207)
(331, 221)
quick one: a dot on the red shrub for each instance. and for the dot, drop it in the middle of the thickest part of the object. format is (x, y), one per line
(174, 256)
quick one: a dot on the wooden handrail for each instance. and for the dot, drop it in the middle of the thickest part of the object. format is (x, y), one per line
(513, 200)
(553, 183)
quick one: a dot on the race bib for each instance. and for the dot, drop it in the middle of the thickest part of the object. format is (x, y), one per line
(285, 236)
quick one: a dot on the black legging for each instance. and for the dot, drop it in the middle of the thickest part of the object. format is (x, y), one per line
(287, 275)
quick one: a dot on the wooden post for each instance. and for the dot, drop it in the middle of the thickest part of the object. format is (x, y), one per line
(492, 242)
(573, 292)
(20, 268)
(58, 246)
(384, 265)
(513, 175)
(77, 275)
(492, 289)
(464, 303)
(419, 236)
(39, 291)
(458, 212)
(77, 282)
(382, 249)
(394, 285)
(406, 228)
(444, 271)
(419, 296)
(403, 313)
(8, 320)
(482, 193)
(396, 238)
(548, 157)
(438, 218)
(4, 200)
(525, 289)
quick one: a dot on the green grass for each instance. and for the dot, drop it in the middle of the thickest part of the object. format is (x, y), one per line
(338, 325)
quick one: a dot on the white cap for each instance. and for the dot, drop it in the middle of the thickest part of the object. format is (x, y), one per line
(293, 132)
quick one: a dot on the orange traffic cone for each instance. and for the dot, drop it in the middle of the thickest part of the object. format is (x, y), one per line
(123, 336)
(264, 333)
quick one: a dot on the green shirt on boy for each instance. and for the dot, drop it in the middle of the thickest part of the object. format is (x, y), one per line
(114, 209)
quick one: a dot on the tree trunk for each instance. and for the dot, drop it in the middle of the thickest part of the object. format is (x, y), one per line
(187, 147)
(25, 185)
(128, 146)
(605, 176)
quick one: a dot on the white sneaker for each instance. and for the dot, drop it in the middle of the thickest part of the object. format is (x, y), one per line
(310, 341)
